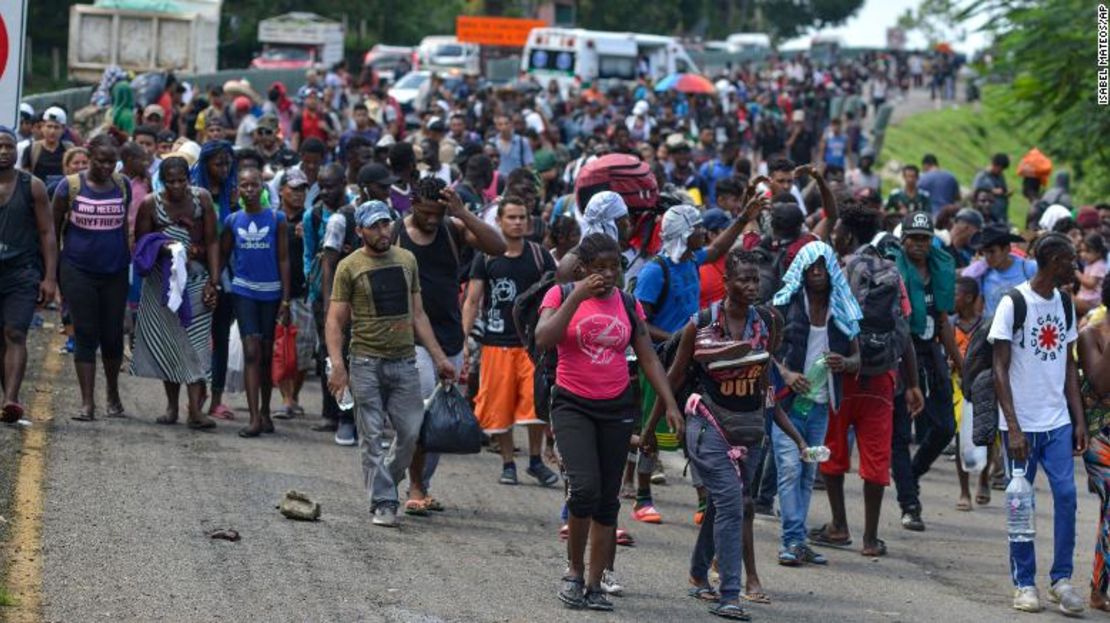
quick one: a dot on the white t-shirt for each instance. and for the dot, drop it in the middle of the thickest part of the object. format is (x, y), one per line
(816, 346)
(1038, 360)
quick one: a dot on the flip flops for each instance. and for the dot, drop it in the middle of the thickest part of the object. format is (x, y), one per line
(624, 538)
(84, 416)
(820, 536)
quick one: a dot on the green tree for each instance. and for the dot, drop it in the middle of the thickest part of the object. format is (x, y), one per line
(937, 20)
(1046, 51)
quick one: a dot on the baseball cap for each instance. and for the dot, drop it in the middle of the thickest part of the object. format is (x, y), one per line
(799, 116)
(920, 223)
(154, 110)
(375, 173)
(26, 111)
(55, 114)
(294, 178)
(996, 234)
(242, 103)
(971, 217)
(371, 213)
(268, 122)
(641, 108)
(715, 219)
(435, 124)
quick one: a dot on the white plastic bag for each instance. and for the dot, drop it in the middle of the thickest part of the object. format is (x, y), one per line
(973, 457)
(234, 380)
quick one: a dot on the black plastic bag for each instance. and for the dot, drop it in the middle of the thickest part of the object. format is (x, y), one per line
(449, 425)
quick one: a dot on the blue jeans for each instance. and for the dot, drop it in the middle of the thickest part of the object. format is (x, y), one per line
(722, 527)
(796, 477)
(1053, 451)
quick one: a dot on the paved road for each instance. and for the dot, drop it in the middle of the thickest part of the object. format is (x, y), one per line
(128, 503)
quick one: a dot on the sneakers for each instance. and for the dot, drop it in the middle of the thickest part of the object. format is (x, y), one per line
(789, 557)
(610, 585)
(508, 475)
(646, 513)
(385, 516)
(657, 475)
(807, 555)
(573, 592)
(596, 600)
(1063, 593)
(345, 434)
(1026, 599)
(542, 473)
(911, 520)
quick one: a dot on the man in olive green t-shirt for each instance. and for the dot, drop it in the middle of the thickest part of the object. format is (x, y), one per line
(377, 290)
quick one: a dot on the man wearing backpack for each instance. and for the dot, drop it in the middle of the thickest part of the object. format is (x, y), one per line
(505, 392)
(325, 244)
(439, 225)
(43, 158)
(1042, 420)
(929, 275)
(867, 404)
(669, 289)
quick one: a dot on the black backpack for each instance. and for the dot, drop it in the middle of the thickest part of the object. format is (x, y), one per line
(526, 315)
(977, 377)
(877, 285)
(769, 262)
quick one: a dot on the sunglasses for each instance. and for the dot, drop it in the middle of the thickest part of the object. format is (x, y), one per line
(265, 131)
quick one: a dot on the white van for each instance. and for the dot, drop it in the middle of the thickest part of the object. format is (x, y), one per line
(570, 55)
(445, 52)
(755, 43)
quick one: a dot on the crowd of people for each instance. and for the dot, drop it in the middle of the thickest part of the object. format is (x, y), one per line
(771, 313)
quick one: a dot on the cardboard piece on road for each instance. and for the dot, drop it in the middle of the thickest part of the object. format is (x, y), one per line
(13, 32)
(510, 32)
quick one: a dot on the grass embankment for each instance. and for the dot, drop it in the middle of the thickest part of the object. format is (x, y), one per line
(963, 140)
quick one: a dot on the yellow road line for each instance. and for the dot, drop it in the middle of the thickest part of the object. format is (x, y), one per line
(24, 579)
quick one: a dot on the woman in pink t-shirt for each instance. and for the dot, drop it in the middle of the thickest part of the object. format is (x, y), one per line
(594, 408)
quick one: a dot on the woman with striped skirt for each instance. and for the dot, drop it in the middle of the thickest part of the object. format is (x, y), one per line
(174, 346)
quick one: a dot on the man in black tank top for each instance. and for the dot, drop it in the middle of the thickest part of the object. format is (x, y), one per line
(436, 232)
(28, 255)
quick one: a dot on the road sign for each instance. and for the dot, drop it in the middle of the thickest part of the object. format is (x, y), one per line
(509, 32)
(13, 31)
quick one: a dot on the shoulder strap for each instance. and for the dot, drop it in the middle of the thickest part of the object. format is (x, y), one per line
(25, 188)
(1065, 300)
(449, 231)
(74, 182)
(36, 151)
(537, 255)
(1020, 309)
(629, 303)
(395, 237)
(658, 259)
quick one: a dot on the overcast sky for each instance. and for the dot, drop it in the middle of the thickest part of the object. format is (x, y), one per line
(868, 27)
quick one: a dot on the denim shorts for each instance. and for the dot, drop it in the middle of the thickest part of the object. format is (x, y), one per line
(255, 318)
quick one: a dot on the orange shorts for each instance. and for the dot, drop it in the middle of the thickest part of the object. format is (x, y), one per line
(505, 390)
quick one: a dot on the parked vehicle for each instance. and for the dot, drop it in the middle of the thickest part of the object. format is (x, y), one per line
(410, 89)
(445, 52)
(390, 61)
(184, 41)
(570, 55)
(298, 41)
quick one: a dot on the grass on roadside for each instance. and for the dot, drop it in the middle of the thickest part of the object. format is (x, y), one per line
(6, 598)
(963, 140)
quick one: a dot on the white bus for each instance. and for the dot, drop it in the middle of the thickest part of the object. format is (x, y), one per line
(570, 55)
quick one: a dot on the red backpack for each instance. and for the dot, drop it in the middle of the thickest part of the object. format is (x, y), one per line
(623, 174)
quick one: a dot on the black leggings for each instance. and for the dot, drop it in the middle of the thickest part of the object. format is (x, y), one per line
(96, 305)
(592, 437)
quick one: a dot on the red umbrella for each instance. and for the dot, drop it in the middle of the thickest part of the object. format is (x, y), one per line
(686, 83)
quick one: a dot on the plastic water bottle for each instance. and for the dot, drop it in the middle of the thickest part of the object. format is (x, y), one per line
(346, 401)
(816, 454)
(818, 377)
(1021, 518)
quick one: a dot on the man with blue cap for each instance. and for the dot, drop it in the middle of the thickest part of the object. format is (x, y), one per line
(377, 290)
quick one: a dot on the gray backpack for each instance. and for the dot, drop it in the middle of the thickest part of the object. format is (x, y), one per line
(877, 285)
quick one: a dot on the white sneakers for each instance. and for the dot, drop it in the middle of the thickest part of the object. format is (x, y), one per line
(610, 585)
(1027, 599)
(1062, 592)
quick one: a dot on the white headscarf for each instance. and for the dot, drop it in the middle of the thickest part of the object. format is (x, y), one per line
(678, 224)
(1052, 214)
(602, 212)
